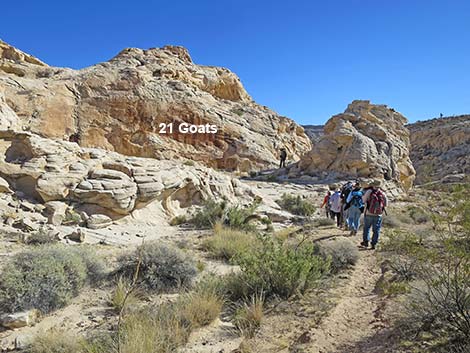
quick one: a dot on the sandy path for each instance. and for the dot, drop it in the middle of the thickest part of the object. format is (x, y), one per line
(356, 317)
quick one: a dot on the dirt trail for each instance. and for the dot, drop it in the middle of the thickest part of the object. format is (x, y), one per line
(357, 315)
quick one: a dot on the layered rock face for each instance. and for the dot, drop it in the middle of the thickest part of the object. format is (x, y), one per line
(440, 148)
(119, 106)
(99, 181)
(367, 140)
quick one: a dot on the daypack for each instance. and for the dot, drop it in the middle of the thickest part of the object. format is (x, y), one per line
(345, 191)
(376, 203)
(356, 200)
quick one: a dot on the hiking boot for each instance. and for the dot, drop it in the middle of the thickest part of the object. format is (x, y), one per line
(365, 244)
(372, 247)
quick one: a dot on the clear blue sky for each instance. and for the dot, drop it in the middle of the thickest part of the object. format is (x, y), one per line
(305, 59)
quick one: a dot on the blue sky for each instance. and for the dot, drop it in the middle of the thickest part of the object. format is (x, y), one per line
(305, 59)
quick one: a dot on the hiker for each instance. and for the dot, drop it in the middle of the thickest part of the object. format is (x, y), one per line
(283, 157)
(326, 203)
(375, 202)
(335, 206)
(355, 207)
(345, 191)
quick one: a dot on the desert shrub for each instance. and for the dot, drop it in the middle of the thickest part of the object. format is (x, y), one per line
(54, 341)
(276, 270)
(296, 205)
(286, 233)
(176, 221)
(39, 237)
(418, 215)
(442, 304)
(46, 278)
(209, 214)
(72, 217)
(391, 221)
(189, 163)
(239, 217)
(324, 222)
(226, 243)
(161, 267)
(341, 252)
(203, 305)
(248, 317)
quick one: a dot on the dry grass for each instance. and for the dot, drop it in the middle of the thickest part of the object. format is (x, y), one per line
(248, 318)
(117, 298)
(227, 243)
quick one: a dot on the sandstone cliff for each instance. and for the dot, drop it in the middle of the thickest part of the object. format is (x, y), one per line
(440, 148)
(367, 140)
(118, 105)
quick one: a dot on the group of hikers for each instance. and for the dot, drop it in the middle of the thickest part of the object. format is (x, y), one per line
(346, 204)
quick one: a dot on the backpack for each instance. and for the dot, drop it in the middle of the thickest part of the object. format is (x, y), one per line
(345, 191)
(356, 200)
(376, 203)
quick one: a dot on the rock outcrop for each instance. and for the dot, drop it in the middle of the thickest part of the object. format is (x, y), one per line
(104, 182)
(368, 141)
(120, 105)
(440, 148)
(314, 132)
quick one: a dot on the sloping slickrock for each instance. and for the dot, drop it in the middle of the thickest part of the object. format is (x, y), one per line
(441, 148)
(119, 105)
(367, 140)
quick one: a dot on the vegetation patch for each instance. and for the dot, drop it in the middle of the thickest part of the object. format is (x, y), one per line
(296, 205)
(341, 253)
(227, 243)
(276, 269)
(47, 277)
(160, 267)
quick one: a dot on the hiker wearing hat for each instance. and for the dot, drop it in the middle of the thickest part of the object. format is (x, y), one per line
(283, 157)
(375, 202)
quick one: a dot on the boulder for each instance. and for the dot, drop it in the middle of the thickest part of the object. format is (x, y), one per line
(77, 235)
(98, 221)
(55, 211)
(366, 141)
(21, 319)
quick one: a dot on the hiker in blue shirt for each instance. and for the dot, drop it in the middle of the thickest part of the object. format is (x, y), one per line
(355, 206)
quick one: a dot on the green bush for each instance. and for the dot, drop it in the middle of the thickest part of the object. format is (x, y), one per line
(211, 213)
(276, 270)
(227, 243)
(161, 267)
(46, 278)
(176, 221)
(237, 217)
(341, 252)
(296, 205)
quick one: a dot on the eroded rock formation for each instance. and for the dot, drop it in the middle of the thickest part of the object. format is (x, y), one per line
(440, 148)
(119, 105)
(367, 140)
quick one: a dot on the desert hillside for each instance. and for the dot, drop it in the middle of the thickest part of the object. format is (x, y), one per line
(441, 148)
(116, 238)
